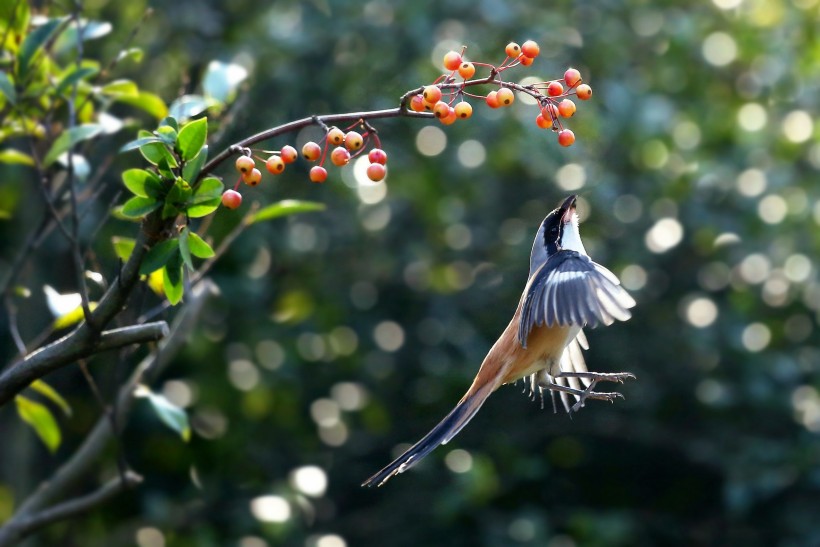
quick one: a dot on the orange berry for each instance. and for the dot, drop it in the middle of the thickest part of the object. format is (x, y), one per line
(550, 111)
(464, 110)
(583, 92)
(318, 174)
(513, 50)
(353, 140)
(417, 103)
(311, 151)
(530, 49)
(335, 136)
(566, 137)
(492, 99)
(506, 97)
(555, 89)
(543, 122)
(441, 110)
(566, 108)
(526, 61)
(432, 94)
(376, 172)
(466, 70)
(452, 60)
(252, 177)
(275, 165)
(340, 156)
(244, 164)
(288, 154)
(231, 199)
(377, 155)
(450, 118)
(572, 77)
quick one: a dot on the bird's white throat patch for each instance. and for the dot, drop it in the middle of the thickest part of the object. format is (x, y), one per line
(571, 239)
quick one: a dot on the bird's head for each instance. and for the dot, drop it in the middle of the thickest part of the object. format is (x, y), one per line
(559, 230)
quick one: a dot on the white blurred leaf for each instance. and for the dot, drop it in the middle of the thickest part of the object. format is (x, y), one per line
(61, 304)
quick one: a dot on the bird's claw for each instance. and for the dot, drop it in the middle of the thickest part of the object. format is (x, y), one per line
(608, 396)
(618, 377)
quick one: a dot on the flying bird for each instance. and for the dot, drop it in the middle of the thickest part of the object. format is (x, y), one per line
(565, 292)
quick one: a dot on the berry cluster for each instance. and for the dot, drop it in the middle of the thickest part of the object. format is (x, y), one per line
(445, 97)
(343, 145)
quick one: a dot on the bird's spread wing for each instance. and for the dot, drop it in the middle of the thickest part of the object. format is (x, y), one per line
(571, 289)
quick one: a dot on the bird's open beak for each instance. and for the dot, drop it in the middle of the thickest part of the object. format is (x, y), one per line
(568, 208)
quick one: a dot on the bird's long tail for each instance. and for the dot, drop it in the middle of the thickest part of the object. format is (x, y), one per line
(441, 434)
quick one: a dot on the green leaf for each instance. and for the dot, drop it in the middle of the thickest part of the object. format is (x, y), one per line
(13, 156)
(142, 183)
(185, 250)
(206, 199)
(199, 247)
(194, 166)
(51, 394)
(167, 134)
(222, 79)
(284, 208)
(7, 87)
(134, 53)
(14, 16)
(35, 40)
(189, 106)
(75, 75)
(138, 207)
(120, 88)
(40, 418)
(147, 102)
(138, 143)
(170, 414)
(159, 255)
(171, 122)
(123, 247)
(192, 138)
(71, 137)
(172, 280)
(72, 318)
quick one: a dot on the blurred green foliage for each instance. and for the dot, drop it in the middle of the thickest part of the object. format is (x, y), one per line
(341, 334)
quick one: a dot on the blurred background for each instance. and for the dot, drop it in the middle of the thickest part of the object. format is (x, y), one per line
(341, 336)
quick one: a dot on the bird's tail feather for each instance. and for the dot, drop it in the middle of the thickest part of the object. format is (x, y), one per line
(441, 434)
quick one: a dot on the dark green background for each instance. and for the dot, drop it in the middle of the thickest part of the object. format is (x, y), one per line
(714, 444)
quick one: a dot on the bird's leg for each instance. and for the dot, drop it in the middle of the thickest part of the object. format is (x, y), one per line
(594, 378)
(582, 393)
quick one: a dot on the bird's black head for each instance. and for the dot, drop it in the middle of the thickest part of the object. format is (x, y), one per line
(549, 234)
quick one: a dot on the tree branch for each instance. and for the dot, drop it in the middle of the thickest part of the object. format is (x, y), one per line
(13, 533)
(69, 349)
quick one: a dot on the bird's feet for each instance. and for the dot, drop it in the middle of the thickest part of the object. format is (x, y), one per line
(588, 393)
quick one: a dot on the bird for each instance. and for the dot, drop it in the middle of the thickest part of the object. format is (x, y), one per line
(565, 292)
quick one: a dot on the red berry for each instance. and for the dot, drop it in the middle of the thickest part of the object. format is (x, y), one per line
(452, 60)
(335, 136)
(513, 50)
(417, 103)
(550, 111)
(583, 92)
(492, 99)
(566, 108)
(432, 94)
(466, 70)
(566, 137)
(275, 165)
(353, 140)
(289, 154)
(377, 155)
(244, 164)
(311, 151)
(231, 199)
(572, 77)
(441, 110)
(464, 110)
(376, 172)
(555, 89)
(450, 117)
(318, 174)
(530, 49)
(253, 177)
(340, 156)
(526, 61)
(543, 122)
(505, 96)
